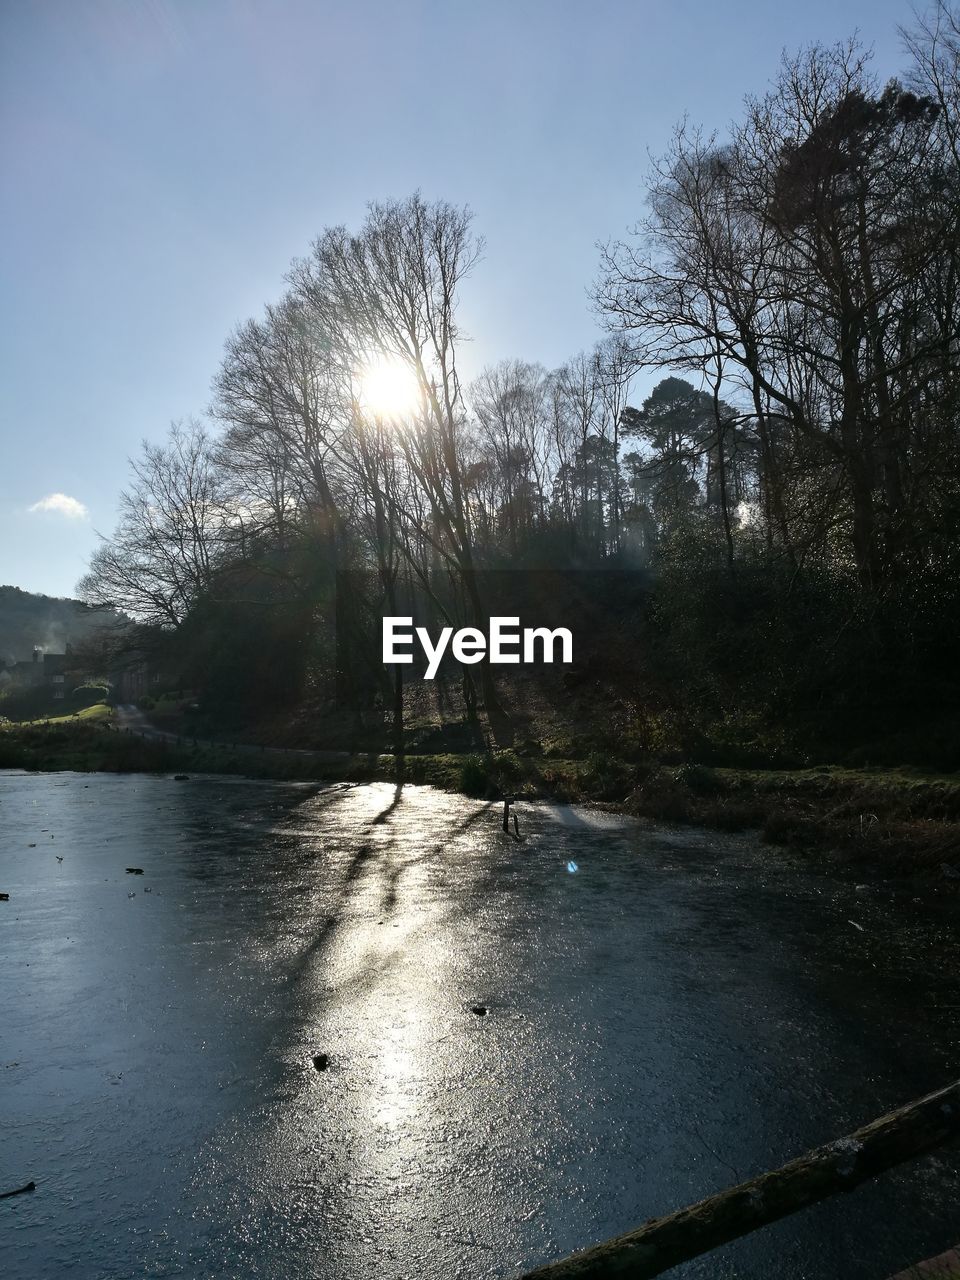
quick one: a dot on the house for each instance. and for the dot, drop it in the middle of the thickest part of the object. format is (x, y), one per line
(48, 670)
(54, 671)
(138, 679)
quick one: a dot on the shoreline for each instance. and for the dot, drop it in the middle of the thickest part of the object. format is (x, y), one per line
(899, 822)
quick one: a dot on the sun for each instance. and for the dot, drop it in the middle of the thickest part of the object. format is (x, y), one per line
(388, 389)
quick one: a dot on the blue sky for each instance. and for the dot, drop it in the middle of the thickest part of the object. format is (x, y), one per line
(163, 160)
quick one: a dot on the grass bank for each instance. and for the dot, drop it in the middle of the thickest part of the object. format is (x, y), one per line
(895, 821)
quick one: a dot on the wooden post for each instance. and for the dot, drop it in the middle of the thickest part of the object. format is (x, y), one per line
(665, 1242)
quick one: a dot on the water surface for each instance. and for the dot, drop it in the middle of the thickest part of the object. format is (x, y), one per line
(681, 1011)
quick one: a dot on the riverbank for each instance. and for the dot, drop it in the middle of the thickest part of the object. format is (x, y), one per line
(899, 822)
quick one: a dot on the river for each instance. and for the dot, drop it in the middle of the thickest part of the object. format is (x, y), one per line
(669, 1011)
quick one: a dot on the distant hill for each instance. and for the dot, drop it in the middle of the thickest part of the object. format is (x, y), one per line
(27, 619)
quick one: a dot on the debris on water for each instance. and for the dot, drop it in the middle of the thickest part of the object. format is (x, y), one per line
(30, 1186)
(134, 871)
(321, 1061)
(572, 867)
(857, 926)
(479, 1009)
(148, 889)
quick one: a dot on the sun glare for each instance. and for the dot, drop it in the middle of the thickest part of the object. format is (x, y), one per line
(388, 389)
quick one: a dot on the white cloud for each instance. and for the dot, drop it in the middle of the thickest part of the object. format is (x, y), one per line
(63, 505)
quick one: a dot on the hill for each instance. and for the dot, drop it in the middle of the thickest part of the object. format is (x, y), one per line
(28, 619)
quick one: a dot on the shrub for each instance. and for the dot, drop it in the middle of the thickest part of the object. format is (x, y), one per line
(475, 776)
(605, 777)
(698, 779)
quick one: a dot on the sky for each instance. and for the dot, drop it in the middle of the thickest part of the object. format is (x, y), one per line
(162, 161)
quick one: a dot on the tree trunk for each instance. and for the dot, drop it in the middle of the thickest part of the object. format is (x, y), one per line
(722, 465)
(864, 524)
(398, 740)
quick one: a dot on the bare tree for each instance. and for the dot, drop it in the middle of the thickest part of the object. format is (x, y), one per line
(510, 404)
(390, 293)
(172, 526)
(276, 393)
(578, 417)
(616, 367)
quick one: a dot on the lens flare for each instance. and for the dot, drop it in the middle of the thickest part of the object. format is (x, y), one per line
(388, 389)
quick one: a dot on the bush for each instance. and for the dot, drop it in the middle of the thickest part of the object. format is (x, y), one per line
(605, 777)
(476, 776)
(698, 779)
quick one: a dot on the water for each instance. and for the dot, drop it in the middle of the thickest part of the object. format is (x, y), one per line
(681, 1011)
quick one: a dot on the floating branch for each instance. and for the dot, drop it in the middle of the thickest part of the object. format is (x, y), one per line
(30, 1186)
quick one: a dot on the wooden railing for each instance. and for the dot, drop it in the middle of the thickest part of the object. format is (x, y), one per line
(839, 1166)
